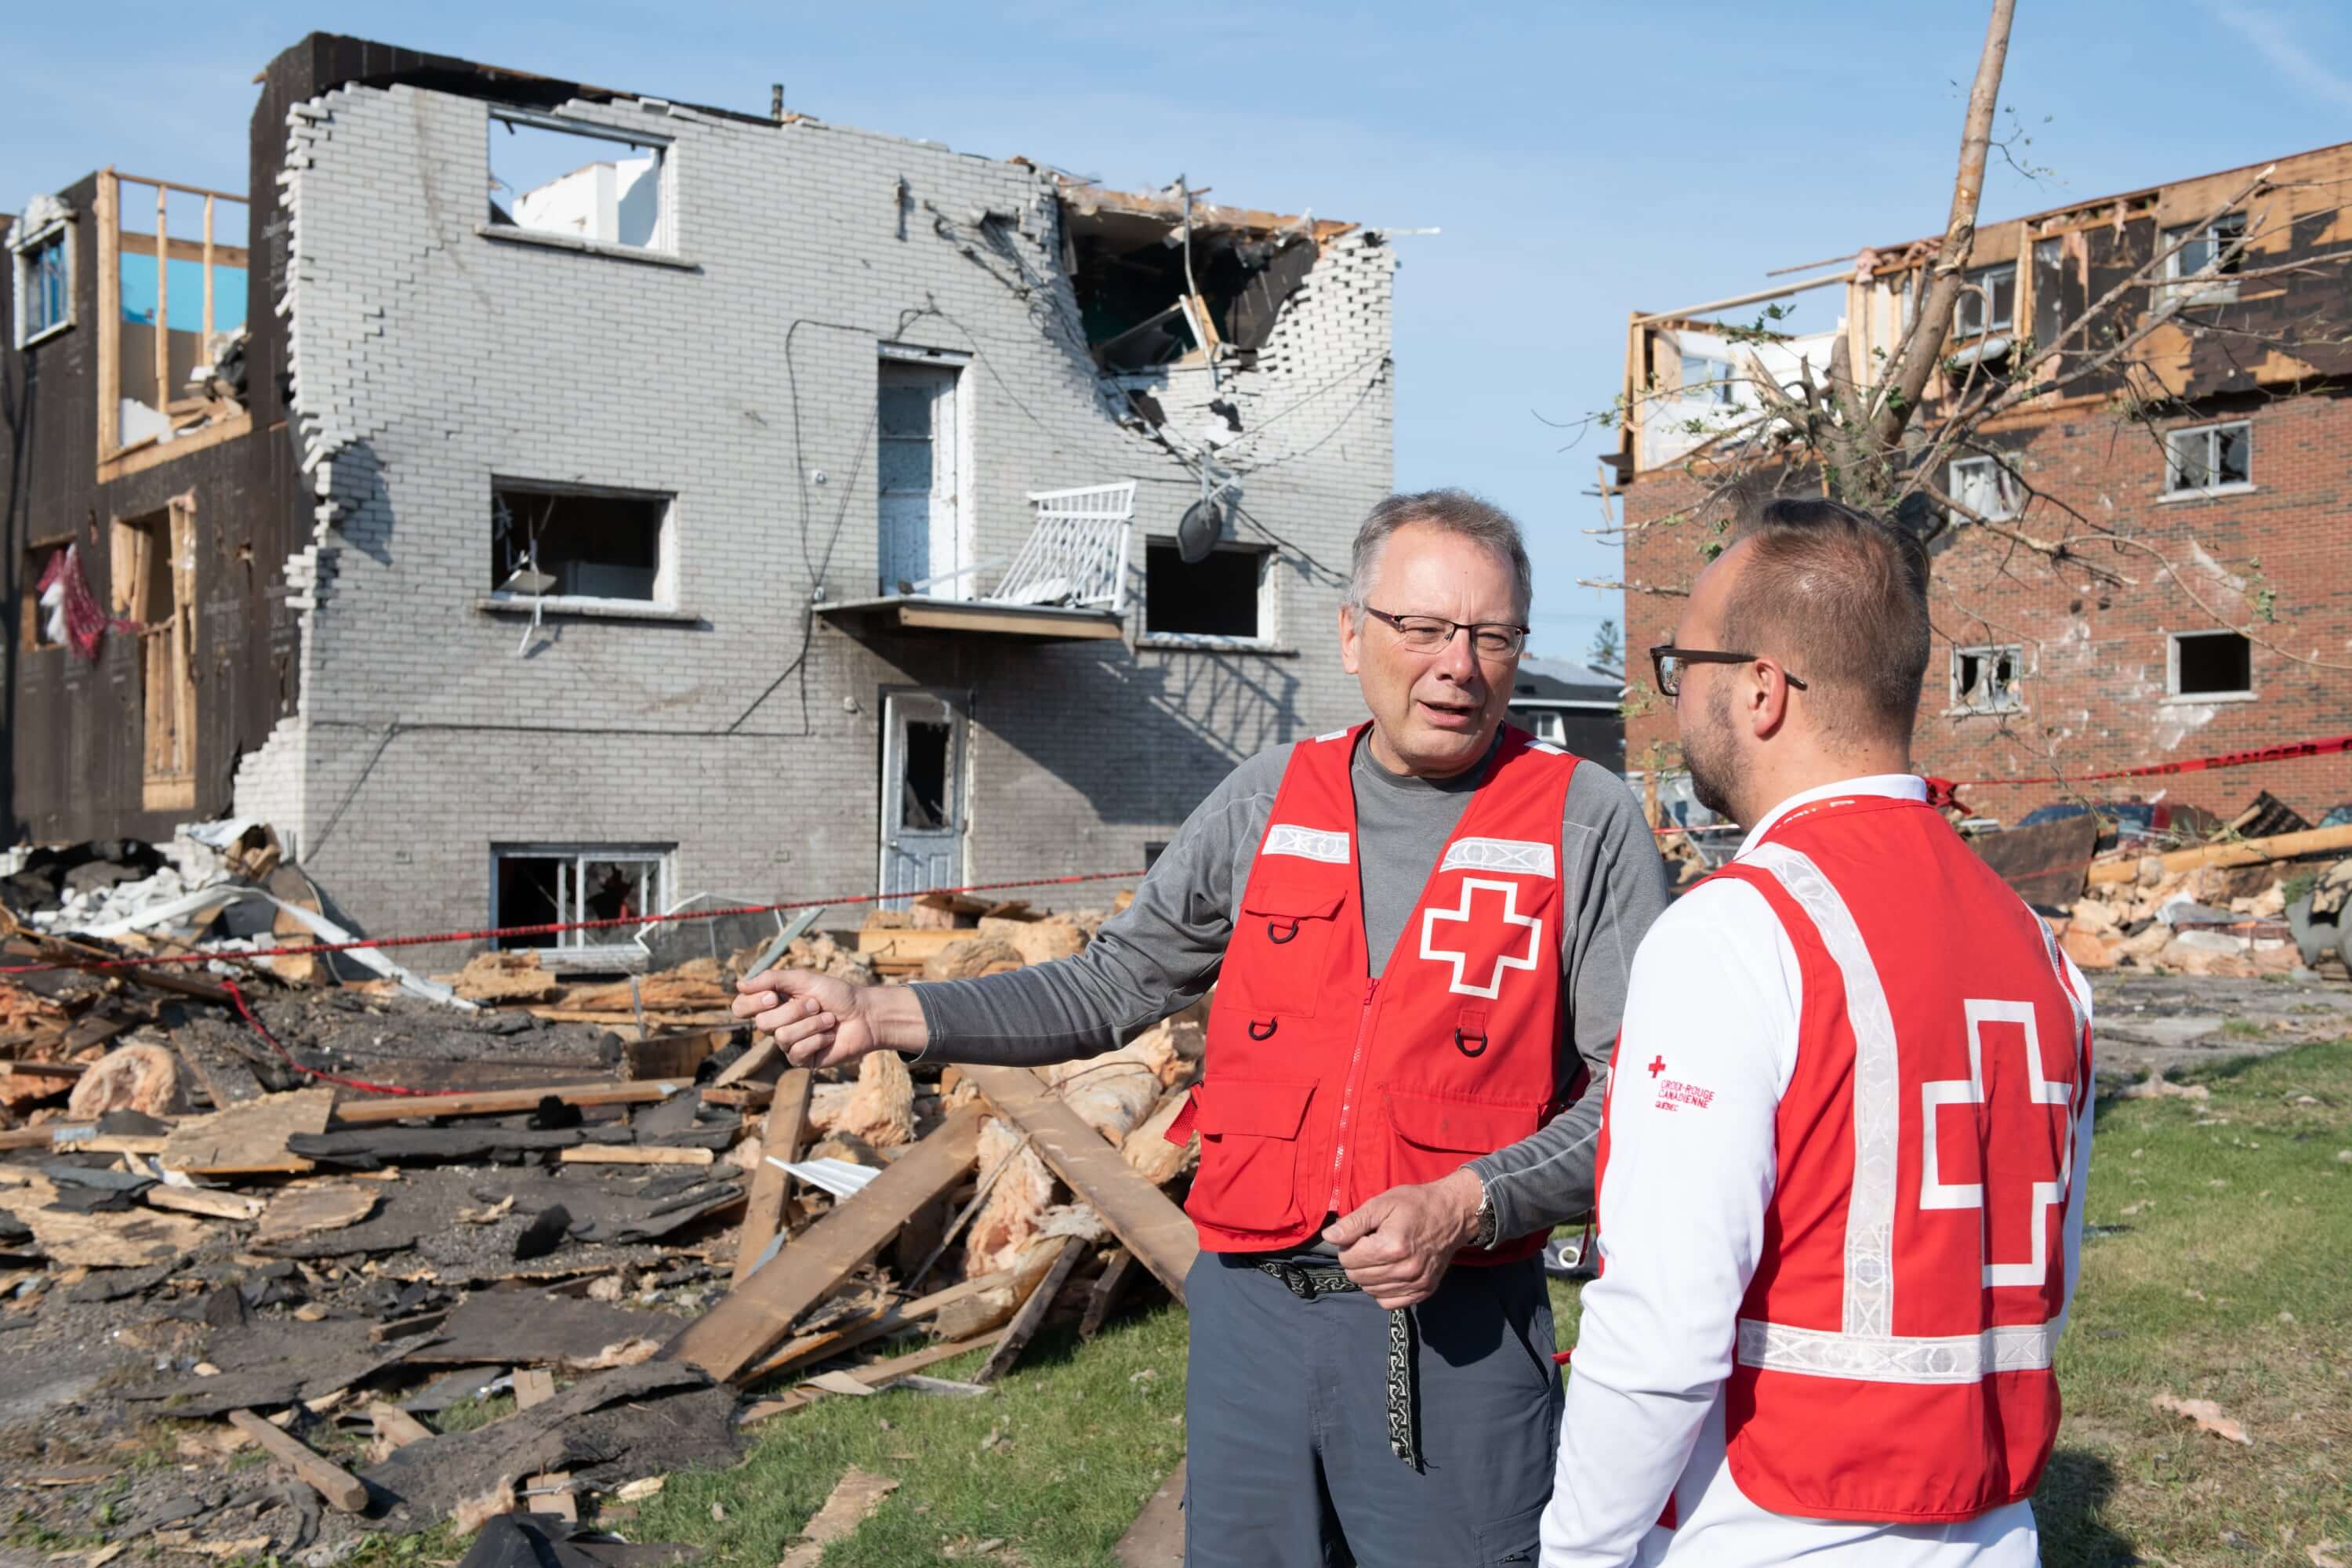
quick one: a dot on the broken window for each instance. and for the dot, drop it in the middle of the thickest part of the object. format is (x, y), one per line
(1984, 680)
(549, 885)
(550, 176)
(2209, 456)
(1139, 306)
(44, 282)
(1224, 597)
(2209, 254)
(1985, 486)
(45, 596)
(1987, 302)
(550, 542)
(154, 586)
(1710, 379)
(2211, 664)
(924, 807)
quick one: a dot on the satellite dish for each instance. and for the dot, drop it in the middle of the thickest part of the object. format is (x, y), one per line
(1197, 534)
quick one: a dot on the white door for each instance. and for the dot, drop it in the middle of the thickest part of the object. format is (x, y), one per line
(923, 811)
(920, 505)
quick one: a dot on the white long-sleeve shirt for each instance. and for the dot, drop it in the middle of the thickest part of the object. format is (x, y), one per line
(1716, 995)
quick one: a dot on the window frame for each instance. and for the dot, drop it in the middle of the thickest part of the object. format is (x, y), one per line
(2006, 483)
(1716, 391)
(2010, 701)
(1269, 603)
(2212, 283)
(2172, 692)
(663, 601)
(21, 266)
(1978, 293)
(663, 248)
(2211, 431)
(570, 948)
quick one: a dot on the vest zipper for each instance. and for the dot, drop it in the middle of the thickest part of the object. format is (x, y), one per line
(1347, 1096)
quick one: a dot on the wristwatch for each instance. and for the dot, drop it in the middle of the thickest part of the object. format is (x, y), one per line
(1483, 1228)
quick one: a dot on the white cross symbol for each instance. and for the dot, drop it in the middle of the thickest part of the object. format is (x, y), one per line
(1503, 961)
(1935, 1192)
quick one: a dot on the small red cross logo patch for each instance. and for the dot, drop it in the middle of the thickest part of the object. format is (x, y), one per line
(1658, 1066)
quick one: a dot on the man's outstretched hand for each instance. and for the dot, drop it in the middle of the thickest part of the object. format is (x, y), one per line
(1399, 1245)
(824, 1022)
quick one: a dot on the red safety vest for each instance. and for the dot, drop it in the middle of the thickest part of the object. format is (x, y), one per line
(1893, 1350)
(1326, 1088)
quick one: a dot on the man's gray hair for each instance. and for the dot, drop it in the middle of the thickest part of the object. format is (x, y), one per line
(1453, 511)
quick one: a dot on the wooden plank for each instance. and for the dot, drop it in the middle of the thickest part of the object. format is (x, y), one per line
(807, 1348)
(533, 1385)
(761, 1310)
(1156, 1539)
(874, 1375)
(1106, 1293)
(763, 1050)
(780, 1139)
(249, 1139)
(551, 1490)
(906, 941)
(201, 1201)
(110, 318)
(2245, 852)
(1032, 1311)
(1137, 1212)
(633, 1154)
(342, 1489)
(396, 1427)
(506, 1101)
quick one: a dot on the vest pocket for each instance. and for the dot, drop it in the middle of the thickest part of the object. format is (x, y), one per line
(1283, 945)
(1248, 1178)
(1436, 1136)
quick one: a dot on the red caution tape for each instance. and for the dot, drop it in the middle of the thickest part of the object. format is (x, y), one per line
(2286, 753)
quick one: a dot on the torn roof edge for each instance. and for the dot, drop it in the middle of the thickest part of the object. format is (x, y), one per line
(1087, 198)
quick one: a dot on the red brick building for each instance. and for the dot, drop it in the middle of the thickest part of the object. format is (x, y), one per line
(2203, 485)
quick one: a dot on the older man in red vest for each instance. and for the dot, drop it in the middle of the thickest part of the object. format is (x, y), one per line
(1419, 928)
(1843, 1162)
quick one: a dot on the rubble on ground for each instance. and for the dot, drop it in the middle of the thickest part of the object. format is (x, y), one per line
(327, 1232)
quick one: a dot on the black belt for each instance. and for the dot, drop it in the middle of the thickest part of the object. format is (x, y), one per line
(1308, 1281)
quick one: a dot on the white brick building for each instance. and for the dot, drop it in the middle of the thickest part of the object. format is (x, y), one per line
(603, 579)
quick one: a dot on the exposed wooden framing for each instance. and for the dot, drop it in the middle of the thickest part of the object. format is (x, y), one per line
(137, 244)
(109, 316)
(780, 1139)
(1026, 1322)
(1137, 1212)
(163, 301)
(208, 271)
(754, 1316)
(1757, 297)
(155, 454)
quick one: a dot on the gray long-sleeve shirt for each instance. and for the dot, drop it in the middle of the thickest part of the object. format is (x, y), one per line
(1162, 952)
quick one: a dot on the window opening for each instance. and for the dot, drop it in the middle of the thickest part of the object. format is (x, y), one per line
(582, 183)
(1222, 596)
(2212, 664)
(1985, 487)
(43, 281)
(585, 544)
(2209, 456)
(537, 886)
(153, 578)
(175, 331)
(2208, 255)
(1984, 680)
(1988, 302)
(1710, 379)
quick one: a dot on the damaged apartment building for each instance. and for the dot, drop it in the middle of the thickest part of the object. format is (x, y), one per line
(2201, 604)
(541, 503)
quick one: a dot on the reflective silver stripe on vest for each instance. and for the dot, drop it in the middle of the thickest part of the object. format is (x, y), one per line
(1878, 1102)
(1952, 1358)
(1307, 843)
(1531, 856)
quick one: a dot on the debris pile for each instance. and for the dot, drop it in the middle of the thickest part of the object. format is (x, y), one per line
(600, 1232)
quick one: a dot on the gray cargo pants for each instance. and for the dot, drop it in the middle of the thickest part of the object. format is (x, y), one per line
(1287, 1457)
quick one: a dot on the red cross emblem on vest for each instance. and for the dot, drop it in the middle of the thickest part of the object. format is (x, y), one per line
(1489, 909)
(2008, 1142)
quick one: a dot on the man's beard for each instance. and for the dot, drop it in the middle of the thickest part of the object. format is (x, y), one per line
(1712, 758)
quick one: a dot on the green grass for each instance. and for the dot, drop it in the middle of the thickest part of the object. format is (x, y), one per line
(2219, 1267)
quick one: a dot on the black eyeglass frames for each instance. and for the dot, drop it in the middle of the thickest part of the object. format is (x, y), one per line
(1668, 661)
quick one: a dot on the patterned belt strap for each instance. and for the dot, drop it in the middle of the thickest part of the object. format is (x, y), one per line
(1306, 1282)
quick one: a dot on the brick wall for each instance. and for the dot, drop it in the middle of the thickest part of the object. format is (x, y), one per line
(427, 359)
(2093, 690)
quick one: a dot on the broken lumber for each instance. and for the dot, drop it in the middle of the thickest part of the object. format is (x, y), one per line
(396, 1427)
(505, 1102)
(633, 1154)
(807, 1348)
(1137, 1212)
(1025, 1322)
(203, 1201)
(131, 1238)
(761, 1310)
(249, 1139)
(779, 1139)
(342, 1489)
(2245, 852)
(1105, 1293)
(853, 1499)
(875, 1375)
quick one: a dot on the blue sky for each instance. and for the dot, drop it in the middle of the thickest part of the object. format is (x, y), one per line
(1581, 162)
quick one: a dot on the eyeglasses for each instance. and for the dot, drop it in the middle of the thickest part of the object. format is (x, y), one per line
(1427, 634)
(1668, 661)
